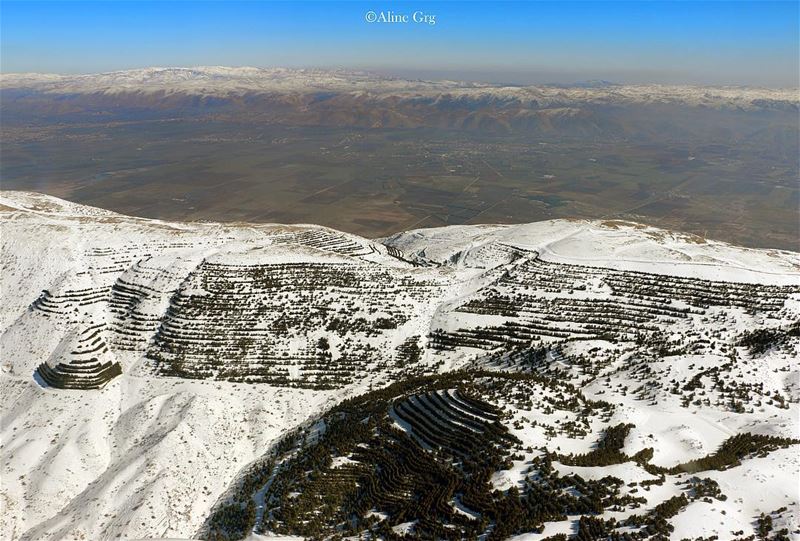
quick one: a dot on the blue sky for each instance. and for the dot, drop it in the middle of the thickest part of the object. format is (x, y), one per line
(752, 43)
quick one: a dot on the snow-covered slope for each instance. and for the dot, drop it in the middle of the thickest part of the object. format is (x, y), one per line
(229, 336)
(610, 244)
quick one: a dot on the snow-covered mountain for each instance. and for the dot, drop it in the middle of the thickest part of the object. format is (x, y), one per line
(350, 99)
(229, 82)
(211, 380)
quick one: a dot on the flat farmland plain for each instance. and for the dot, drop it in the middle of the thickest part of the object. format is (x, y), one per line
(375, 182)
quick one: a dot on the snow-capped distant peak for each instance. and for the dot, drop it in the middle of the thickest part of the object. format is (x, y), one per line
(225, 81)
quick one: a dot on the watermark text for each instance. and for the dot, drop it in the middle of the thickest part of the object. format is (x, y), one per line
(395, 17)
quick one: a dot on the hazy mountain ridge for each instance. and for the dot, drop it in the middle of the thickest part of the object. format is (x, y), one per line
(267, 327)
(253, 97)
(231, 82)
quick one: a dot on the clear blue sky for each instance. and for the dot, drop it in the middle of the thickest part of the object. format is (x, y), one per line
(709, 42)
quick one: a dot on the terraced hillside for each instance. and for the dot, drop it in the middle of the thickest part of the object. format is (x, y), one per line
(309, 323)
(446, 457)
(540, 300)
(88, 367)
(291, 306)
(561, 379)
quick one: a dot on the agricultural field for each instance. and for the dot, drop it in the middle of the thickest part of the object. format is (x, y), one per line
(374, 182)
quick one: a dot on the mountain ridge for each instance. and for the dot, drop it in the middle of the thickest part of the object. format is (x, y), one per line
(220, 81)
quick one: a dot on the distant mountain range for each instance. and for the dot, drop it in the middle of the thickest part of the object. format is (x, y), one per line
(360, 99)
(224, 82)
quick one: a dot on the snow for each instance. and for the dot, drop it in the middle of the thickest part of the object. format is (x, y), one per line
(610, 244)
(148, 457)
(220, 81)
(759, 485)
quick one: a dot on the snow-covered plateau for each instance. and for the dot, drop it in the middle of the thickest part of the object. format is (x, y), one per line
(229, 380)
